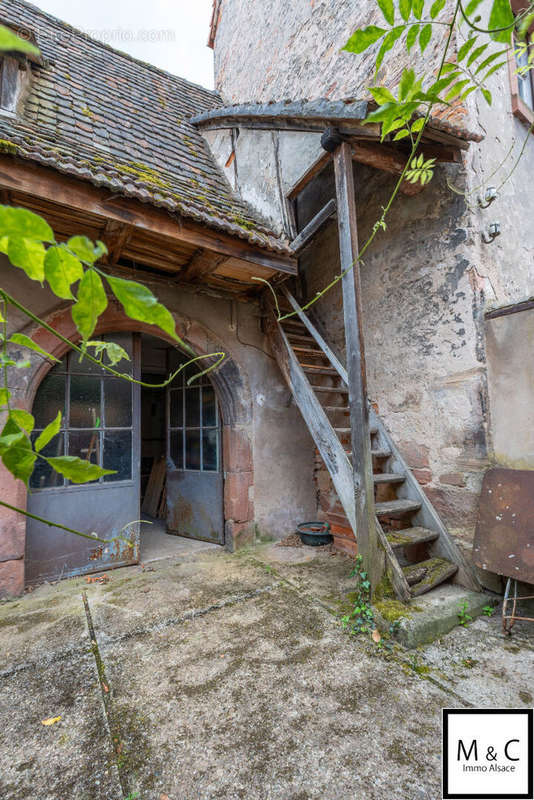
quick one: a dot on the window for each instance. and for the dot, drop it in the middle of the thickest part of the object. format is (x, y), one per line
(522, 79)
(96, 418)
(9, 83)
(194, 423)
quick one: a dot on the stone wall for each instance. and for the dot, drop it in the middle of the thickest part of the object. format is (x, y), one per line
(267, 450)
(429, 279)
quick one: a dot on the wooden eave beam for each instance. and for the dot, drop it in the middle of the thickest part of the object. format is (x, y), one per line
(47, 184)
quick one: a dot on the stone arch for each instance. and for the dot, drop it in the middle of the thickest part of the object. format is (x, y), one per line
(235, 402)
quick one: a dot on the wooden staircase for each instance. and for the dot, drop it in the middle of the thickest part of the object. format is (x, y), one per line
(419, 551)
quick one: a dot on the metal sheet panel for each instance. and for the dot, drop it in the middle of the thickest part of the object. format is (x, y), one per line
(504, 538)
(52, 553)
(194, 505)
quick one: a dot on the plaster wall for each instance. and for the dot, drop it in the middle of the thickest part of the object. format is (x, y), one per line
(281, 491)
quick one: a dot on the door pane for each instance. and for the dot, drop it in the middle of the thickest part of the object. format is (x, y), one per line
(43, 475)
(177, 406)
(85, 409)
(86, 445)
(118, 455)
(209, 407)
(209, 449)
(50, 399)
(192, 407)
(117, 403)
(192, 450)
(177, 452)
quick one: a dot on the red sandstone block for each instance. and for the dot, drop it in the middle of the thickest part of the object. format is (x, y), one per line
(424, 476)
(237, 450)
(12, 578)
(416, 455)
(237, 504)
(242, 534)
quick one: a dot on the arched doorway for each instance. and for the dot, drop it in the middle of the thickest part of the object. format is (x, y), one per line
(103, 421)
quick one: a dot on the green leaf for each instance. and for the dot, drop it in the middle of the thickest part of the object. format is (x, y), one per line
(62, 269)
(360, 41)
(412, 36)
(24, 224)
(401, 135)
(448, 67)
(477, 53)
(92, 302)
(494, 68)
(501, 16)
(85, 249)
(436, 7)
(438, 86)
(406, 82)
(77, 470)
(23, 419)
(468, 92)
(418, 6)
(456, 89)
(487, 61)
(465, 48)
(5, 394)
(51, 430)
(16, 451)
(25, 341)
(524, 26)
(405, 8)
(418, 125)
(487, 95)
(10, 42)
(387, 44)
(472, 6)
(425, 36)
(140, 304)
(382, 95)
(388, 10)
(114, 351)
(27, 254)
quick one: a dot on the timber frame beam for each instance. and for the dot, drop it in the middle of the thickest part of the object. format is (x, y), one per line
(49, 185)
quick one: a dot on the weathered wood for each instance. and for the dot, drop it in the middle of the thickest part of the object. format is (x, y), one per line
(384, 158)
(395, 508)
(307, 233)
(304, 319)
(310, 173)
(50, 185)
(323, 434)
(426, 575)
(201, 264)
(366, 532)
(400, 585)
(407, 537)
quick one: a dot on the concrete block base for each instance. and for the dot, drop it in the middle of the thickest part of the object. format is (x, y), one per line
(432, 615)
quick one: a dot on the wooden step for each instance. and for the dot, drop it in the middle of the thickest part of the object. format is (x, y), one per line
(395, 508)
(330, 389)
(374, 453)
(303, 338)
(426, 575)
(389, 477)
(333, 409)
(292, 321)
(309, 351)
(318, 369)
(411, 536)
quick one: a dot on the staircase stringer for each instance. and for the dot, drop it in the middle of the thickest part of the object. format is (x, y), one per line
(323, 434)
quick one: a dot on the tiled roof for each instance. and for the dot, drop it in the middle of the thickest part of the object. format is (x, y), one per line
(105, 117)
(321, 111)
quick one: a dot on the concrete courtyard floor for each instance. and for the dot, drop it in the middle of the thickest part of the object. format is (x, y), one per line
(214, 675)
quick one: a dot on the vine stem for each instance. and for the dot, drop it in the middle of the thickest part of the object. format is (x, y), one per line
(380, 223)
(62, 527)
(220, 356)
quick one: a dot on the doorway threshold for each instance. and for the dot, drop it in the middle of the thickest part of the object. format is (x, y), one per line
(157, 544)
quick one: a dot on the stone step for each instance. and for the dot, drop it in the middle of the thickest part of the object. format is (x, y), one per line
(389, 477)
(410, 536)
(426, 575)
(396, 508)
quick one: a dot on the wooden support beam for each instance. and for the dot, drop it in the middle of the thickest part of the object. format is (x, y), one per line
(115, 237)
(308, 232)
(200, 265)
(386, 159)
(356, 375)
(48, 184)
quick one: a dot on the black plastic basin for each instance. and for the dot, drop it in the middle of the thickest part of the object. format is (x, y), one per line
(314, 533)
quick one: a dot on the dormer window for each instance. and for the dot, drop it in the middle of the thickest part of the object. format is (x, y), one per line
(10, 83)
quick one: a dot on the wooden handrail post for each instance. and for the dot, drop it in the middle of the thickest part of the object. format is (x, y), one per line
(357, 384)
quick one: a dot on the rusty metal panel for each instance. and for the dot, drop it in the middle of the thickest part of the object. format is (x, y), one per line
(195, 505)
(504, 538)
